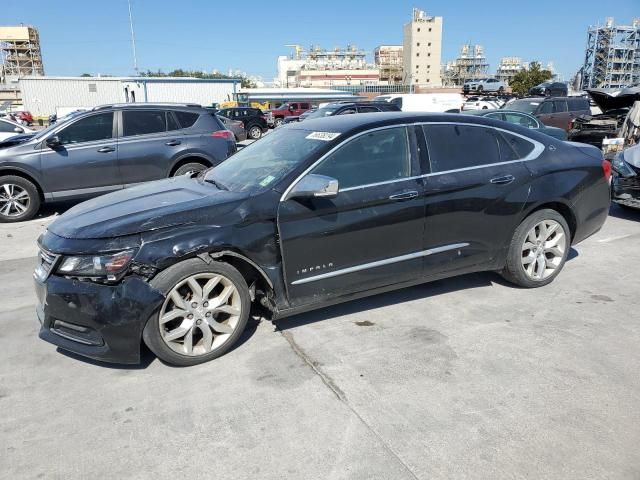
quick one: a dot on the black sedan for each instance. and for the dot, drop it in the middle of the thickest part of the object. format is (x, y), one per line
(314, 214)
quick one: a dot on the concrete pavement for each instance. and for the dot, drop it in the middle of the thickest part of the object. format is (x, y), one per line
(461, 378)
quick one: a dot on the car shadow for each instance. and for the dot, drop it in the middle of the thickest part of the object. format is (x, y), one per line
(424, 290)
(624, 213)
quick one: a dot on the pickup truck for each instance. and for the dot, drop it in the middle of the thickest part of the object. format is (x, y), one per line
(292, 109)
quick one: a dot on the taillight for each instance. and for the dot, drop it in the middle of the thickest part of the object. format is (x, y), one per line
(241, 124)
(606, 169)
(223, 134)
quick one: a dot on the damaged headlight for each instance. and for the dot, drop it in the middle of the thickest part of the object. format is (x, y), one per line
(621, 167)
(108, 267)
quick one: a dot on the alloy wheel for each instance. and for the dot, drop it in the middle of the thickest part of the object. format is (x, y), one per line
(543, 249)
(14, 200)
(200, 314)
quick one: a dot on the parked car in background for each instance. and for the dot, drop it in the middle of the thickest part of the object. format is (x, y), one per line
(552, 111)
(479, 103)
(23, 117)
(522, 119)
(424, 102)
(291, 109)
(550, 89)
(234, 126)
(483, 85)
(349, 108)
(625, 182)
(614, 106)
(312, 215)
(10, 129)
(254, 119)
(108, 148)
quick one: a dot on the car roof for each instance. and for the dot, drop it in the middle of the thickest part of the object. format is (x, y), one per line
(364, 121)
(150, 105)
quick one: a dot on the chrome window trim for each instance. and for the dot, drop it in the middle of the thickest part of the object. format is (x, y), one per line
(380, 263)
(533, 155)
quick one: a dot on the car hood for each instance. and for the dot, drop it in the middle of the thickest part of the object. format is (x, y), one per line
(150, 206)
(611, 98)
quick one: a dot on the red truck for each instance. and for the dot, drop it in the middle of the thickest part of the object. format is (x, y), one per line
(291, 109)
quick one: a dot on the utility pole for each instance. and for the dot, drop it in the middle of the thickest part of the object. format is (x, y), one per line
(133, 40)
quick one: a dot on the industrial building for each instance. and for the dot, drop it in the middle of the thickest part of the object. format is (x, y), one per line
(43, 96)
(422, 50)
(612, 57)
(389, 60)
(319, 67)
(507, 69)
(471, 63)
(20, 53)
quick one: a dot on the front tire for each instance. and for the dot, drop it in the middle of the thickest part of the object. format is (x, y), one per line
(255, 132)
(19, 199)
(205, 312)
(189, 168)
(538, 249)
(277, 122)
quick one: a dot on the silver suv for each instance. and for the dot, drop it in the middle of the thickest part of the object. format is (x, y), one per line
(483, 85)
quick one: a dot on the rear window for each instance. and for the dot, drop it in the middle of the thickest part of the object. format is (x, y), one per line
(143, 122)
(186, 119)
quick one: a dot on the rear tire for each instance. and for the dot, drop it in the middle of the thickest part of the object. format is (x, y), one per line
(255, 132)
(189, 168)
(538, 249)
(205, 312)
(19, 199)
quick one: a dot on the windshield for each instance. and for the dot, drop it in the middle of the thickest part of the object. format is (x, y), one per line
(323, 112)
(526, 106)
(262, 164)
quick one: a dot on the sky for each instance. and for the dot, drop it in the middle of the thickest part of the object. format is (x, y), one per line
(93, 36)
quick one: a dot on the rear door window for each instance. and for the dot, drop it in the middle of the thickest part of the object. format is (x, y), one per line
(143, 122)
(368, 109)
(560, 105)
(522, 120)
(187, 119)
(454, 147)
(546, 107)
(172, 123)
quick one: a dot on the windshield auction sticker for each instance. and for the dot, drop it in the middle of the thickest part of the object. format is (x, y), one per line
(325, 136)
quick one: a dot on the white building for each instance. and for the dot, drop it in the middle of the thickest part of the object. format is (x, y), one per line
(42, 96)
(422, 50)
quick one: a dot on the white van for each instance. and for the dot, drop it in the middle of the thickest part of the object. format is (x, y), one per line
(424, 102)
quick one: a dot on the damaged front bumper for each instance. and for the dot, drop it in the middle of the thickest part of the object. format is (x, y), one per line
(625, 181)
(103, 322)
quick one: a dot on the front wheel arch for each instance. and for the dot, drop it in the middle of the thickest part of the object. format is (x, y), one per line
(190, 159)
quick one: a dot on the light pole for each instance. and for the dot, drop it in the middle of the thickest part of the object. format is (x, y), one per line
(133, 40)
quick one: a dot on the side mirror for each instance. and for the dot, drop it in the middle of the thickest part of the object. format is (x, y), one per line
(291, 108)
(18, 130)
(314, 186)
(53, 141)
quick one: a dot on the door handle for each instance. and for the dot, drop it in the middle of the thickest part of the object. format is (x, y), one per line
(503, 180)
(404, 195)
(106, 149)
(173, 143)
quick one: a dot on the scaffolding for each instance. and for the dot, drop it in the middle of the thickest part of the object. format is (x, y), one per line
(389, 60)
(20, 52)
(508, 68)
(470, 64)
(612, 58)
